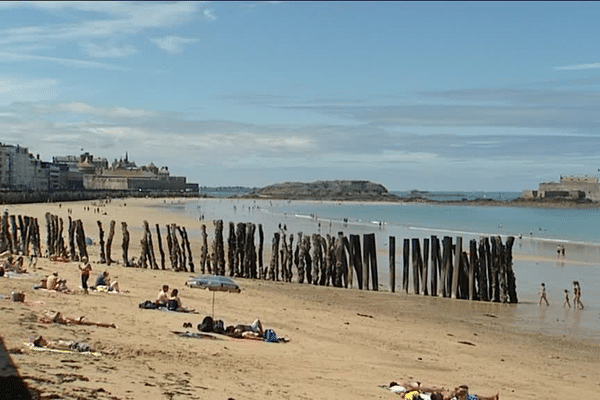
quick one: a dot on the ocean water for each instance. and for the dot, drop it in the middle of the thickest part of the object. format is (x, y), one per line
(537, 231)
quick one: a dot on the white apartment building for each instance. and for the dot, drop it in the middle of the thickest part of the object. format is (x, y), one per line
(20, 170)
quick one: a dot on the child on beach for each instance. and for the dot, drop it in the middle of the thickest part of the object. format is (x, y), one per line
(567, 302)
(543, 295)
(577, 296)
(85, 275)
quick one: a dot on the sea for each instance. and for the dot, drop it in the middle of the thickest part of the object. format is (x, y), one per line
(537, 232)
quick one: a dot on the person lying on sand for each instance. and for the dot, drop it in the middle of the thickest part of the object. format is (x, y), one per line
(62, 344)
(252, 331)
(57, 317)
(462, 393)
(9, 263)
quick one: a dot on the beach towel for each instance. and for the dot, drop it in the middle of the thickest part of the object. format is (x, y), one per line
(196, 335)
(31, 346)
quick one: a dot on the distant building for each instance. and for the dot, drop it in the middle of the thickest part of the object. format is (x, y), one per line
(125, 175)
(574, 187)
(20, 170)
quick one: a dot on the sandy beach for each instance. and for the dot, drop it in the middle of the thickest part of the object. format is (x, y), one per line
(344, 343)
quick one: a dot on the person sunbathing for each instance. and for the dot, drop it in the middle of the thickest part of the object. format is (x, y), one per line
(462, 393)
(163, 296)
(254, 330)
(61, 344)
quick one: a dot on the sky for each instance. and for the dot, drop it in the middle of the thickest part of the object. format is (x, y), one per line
(453, 96)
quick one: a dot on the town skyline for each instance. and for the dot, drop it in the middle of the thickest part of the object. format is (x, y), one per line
(477, 96)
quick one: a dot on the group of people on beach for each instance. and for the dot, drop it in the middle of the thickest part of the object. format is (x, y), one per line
(170, 301)
(417, 391)
(103, 281)
(577, 304)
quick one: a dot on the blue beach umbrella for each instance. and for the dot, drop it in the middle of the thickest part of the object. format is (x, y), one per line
(214, 283)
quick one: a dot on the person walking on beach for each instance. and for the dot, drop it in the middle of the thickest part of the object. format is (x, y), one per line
(85, 275)
(567, 302)
(577, 296)
(543, 295)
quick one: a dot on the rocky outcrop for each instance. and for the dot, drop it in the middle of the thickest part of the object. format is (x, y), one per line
(325, 190)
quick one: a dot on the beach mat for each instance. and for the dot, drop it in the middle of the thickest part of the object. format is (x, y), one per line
(31, 346)
(196, 335)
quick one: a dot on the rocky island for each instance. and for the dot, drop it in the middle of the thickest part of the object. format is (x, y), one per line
(338, 190)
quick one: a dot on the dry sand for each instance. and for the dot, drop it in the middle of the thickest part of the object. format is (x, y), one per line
(344, 342)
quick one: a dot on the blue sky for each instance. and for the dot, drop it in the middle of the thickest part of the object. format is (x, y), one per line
(430, 96)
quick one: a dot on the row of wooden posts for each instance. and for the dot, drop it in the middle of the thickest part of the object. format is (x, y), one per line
(438, 268)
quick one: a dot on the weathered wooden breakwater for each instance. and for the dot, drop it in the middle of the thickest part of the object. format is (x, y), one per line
(437, 268)
(22, 237)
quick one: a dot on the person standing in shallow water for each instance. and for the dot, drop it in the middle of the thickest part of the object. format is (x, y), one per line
(543, 295)
(567, 302)
(577, 296)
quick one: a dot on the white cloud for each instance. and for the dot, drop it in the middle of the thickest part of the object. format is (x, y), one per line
(12, 90)
(578, 67)
(70, 62)
(173, 44)
(107, 51)
(123, 19)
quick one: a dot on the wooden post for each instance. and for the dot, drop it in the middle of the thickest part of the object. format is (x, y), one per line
(301, 256)
(125, 244)
(80, 235)
(510, 275)
(416, 265)
(160, 247)
(274, 257)
(357, 257)
(151, 255)
(4, 242)
(186, 241)
(251, 249)
(109, 240)
(371, 257)
(502, 284)
(36, 240)
(240, 237)
(495, 292)
(14, 237)
(101, 234)
(366, 262)
(456, 270)
(405, 264)
(261, 241)
(22, 231)
(249, 253)
(349, 274)
(425, 267)
(203, 251)
(472, 268)
(446, 265)
(392, 249)
(435, 249)
(231, 249)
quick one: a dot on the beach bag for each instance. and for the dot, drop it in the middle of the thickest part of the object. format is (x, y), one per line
(206, 325)
(219, 327)
(148, 305)
(18, 296)
(270, 336)
(172, 305)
